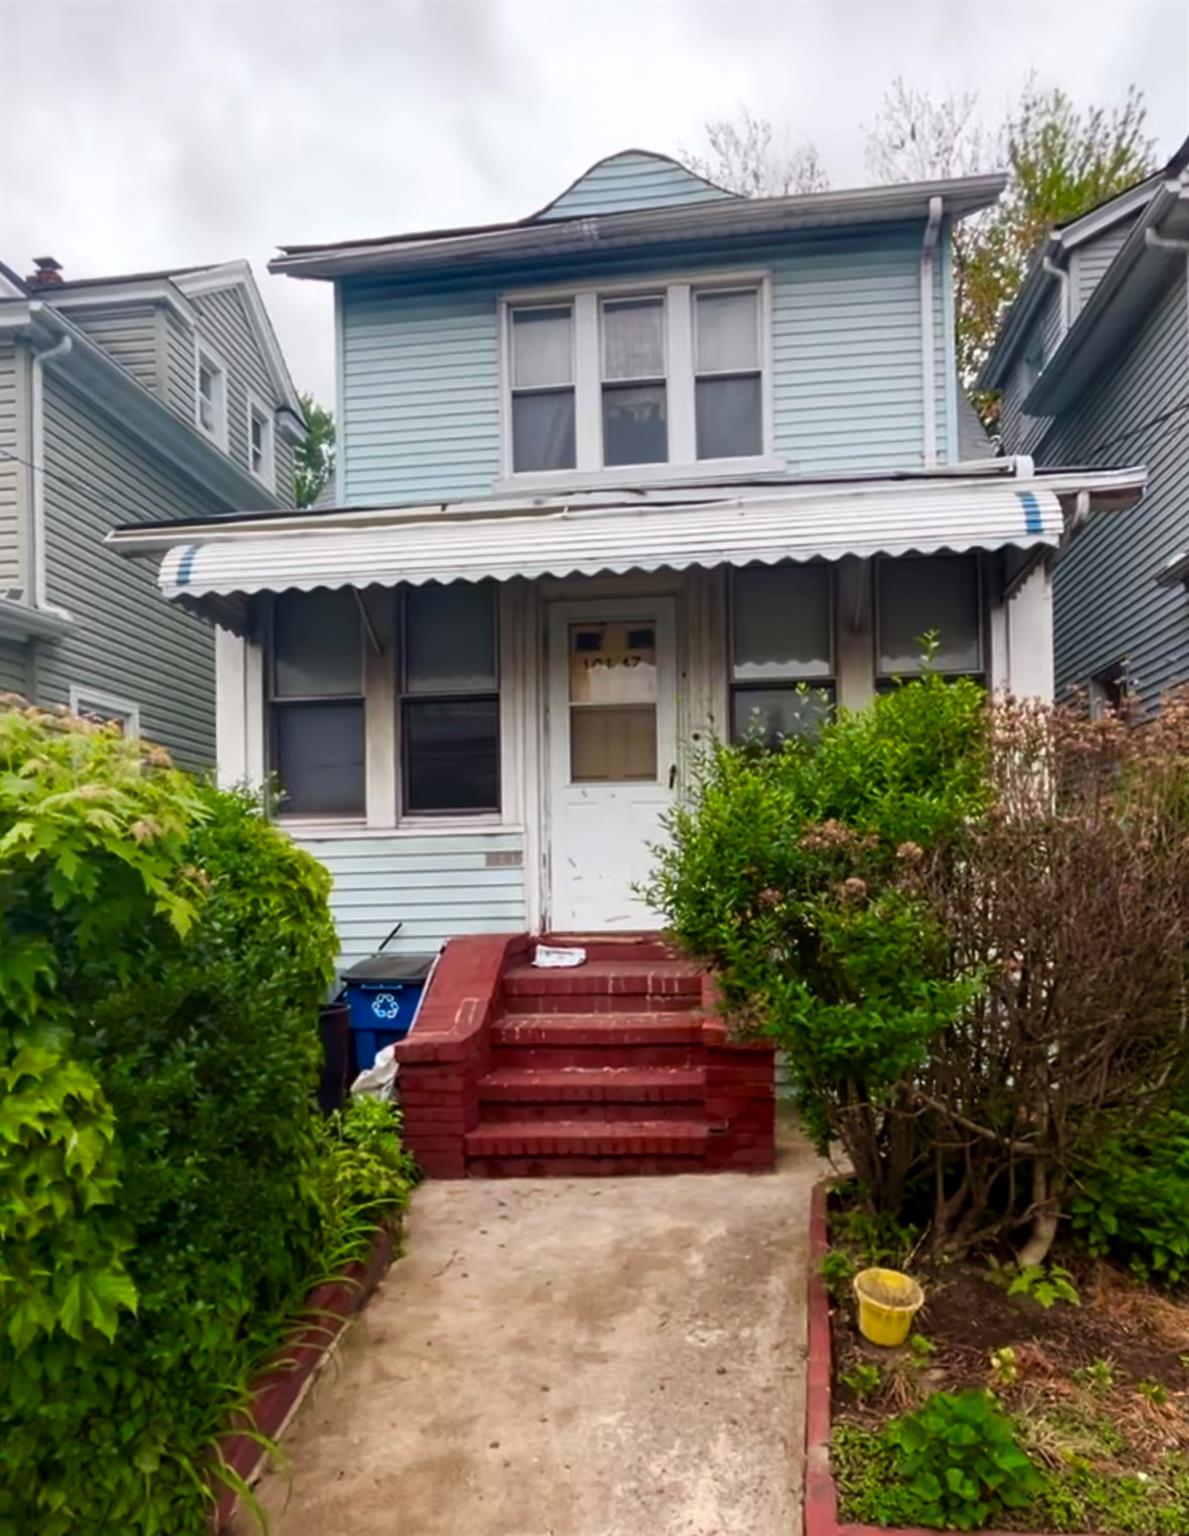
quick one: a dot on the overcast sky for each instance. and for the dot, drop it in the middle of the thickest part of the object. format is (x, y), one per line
(137, 135)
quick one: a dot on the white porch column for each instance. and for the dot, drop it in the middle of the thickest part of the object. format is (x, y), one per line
(854, 634)
(231, 709)
(1030, 635)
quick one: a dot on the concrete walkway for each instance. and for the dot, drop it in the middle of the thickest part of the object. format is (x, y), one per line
(601, 1357)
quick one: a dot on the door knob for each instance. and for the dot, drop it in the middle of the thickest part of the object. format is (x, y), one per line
(672, 775)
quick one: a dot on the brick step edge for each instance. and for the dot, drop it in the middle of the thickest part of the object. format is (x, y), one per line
(574, 1166)
(589, 1138)
(593, 1085)
(606, 978)
(611, 1030)
(279, 1390)
(821, 1492)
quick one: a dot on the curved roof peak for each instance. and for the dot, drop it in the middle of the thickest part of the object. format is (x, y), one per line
(628, 180)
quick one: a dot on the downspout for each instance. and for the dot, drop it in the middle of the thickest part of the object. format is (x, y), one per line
(928, 359)
(40, 599)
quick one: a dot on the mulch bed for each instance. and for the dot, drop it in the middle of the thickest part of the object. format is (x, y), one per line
(1099, 1390)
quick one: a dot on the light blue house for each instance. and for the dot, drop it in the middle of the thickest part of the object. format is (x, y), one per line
(613, 479)
(1093, 363)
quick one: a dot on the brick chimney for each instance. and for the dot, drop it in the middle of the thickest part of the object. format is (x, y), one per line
(48, 273)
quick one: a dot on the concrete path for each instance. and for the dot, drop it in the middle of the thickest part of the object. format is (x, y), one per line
(600, 1357)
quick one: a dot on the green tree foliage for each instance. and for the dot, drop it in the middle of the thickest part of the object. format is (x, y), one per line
(167, 1189)
(314, 467)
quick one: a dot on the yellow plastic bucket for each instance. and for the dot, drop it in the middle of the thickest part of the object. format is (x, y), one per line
(888, 1302)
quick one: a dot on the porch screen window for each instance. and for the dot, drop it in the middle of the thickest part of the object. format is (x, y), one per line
(450, 708)
(728, 384)
(921, 593)
(543, 387)
(782, 661)
(635, 424)
(317, 703)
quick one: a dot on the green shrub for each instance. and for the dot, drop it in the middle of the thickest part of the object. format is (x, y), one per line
(168, 1191)
(1134, 1197)
(959, 1462)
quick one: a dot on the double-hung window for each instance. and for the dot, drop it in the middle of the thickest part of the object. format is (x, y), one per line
(928, 595)
(782, 651)
(543, 387)
(635, 416)
(728, 374)
(317, 708)
(450, 709)
(260, 442)
(210, 395)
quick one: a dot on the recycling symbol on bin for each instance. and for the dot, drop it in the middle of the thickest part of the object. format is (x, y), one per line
(386, 1006)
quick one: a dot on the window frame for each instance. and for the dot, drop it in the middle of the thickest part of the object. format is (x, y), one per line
(793, 681)
(515, 391)
(699, 374)
(108, 706)
(677, 290)
(257, 409)
(204, 353)
(487, 815)
(644, 381)
(272, 703)
(884, 680)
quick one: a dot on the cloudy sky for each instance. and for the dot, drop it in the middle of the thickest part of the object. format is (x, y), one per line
(135, 135)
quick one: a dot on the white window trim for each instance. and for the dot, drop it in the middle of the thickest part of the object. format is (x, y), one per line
(267, 475)
(677, 291)
(203, 352)
(85, 701)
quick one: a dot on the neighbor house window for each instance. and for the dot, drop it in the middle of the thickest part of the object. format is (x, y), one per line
(211, 396)
(729, 394)
(782, 651)
(634, 405)
(450, 708)
(316, 690)
(929, 595)
(543, 387)
(260, 442)
(605, 379)
(106, 707)
(1109, 691)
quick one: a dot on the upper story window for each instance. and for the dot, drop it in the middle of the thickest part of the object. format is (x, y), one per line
(261, 458)
(918, 595)
(211, 395)
(316, 690)
(602, 382)
(782, 651)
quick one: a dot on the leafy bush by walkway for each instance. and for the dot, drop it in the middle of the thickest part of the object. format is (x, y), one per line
(168, 1191)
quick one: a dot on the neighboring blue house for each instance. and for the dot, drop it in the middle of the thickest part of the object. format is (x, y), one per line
(123, 399)
(612, 479)
(1093, 363)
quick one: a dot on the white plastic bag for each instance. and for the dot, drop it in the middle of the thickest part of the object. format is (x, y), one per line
(379, 1080)
(548, 956)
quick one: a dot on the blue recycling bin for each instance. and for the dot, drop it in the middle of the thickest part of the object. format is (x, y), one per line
(383, 994)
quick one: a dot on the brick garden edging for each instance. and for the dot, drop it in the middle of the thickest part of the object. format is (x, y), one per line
(821, 1492)
(278, 1392)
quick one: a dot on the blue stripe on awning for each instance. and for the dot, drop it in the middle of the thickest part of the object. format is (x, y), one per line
(186, 564)
(1033, 521)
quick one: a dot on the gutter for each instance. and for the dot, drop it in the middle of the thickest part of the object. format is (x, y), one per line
(928, 345)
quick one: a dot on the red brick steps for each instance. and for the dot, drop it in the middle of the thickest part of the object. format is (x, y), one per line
(599, 1085)
(589, 1138)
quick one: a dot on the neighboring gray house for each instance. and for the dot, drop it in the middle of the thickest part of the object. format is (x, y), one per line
(1093, 365)
(122, 399)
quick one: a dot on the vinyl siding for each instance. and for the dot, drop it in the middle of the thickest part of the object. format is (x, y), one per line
(224, 323)
(1090, 261)
(1022, 433)
(125, 639)
(1107, 605)
(179, 366)
(14, 662)
(13, 474)
(421, 369)
(437, 886)
(632, 181)
(129, 333)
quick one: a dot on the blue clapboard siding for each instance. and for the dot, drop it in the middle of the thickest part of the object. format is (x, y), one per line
(628, 181)
(421, 368)
(14, 473)
(1106, 604)
(1090, 261)
(437, 886)
(1021, 433)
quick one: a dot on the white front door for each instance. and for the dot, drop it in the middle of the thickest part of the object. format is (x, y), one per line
(612, 756)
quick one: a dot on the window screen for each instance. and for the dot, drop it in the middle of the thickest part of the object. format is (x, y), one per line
(450, 727)
(919, 594)
(728, 386)
(635, 405)
(317, 703)
(782, 653)
(543, 388)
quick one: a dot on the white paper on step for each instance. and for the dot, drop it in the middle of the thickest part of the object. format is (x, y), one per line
(549, 957)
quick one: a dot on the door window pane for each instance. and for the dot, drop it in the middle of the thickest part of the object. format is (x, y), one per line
(319, 758)
(452, 755)
(634, 339)
(543, 431)
(613, 663)
(317, 647)
(635, 426)
(542, 347)
(781, 622)
(729, 416)
(613, 744)
(450, 639)
(918, 593)
(772, 714)
(728, 333)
